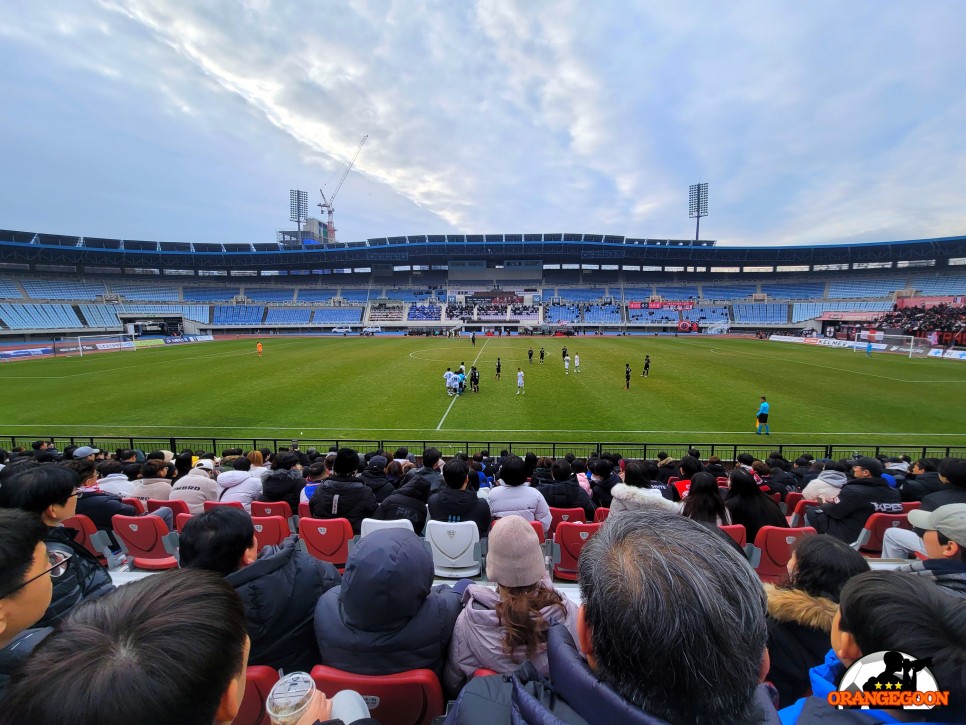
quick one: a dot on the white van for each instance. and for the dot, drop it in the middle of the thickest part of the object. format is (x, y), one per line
(341, 330)
(371, 330)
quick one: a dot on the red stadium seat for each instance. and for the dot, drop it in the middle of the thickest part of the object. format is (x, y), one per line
(870, 538)
(304, 510)
(722, 481)
(407, 698)
(177, 506)
(270, 530)
(570, 538)
(259, 681)
(272, 508)
(736, 532)
(558, 516)
(326, 539)
(180, 520)
(776, 497)
(89, 537)
(791, 500)
(147, 541)
(772, 551)
(601, 514)
(483, 672)
(798, 513)
(209, 505)
(538, 527)
(135, 502)
(908, 506)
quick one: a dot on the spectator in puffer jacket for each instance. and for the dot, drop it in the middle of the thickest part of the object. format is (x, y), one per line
(153, 483)
(258, 469)
(827, 485)
(501, 628)
(342, 495)
(863, 495)
(514, 496)
(604, 478)
(99, 506)
(638, 492)
(456, 502)
(284, 482)
(430, 470)
(387, 616)
(113, 479)
(196, 487)
(280, 586)
(49, 492)
(922, 481)
(239, 485)
(408, 503)
(564, 492)
(374, 476)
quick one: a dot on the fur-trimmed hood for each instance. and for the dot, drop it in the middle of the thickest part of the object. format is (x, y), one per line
(799, 607)
(632, 498)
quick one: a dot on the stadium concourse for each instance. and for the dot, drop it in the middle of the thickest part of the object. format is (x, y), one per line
(359, 567)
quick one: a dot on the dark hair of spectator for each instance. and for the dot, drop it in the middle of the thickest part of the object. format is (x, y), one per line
(18, 544)
(454, 473)
(704, 502)
(37, 488)
(216, 540)
(823, 564)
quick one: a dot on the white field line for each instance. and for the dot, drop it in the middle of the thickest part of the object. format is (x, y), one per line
(453, 401)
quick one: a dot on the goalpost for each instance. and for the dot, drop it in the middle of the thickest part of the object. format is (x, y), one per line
(86, 344)
(908, 345)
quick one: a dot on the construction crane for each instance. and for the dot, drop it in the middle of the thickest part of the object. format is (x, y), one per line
(326, 204)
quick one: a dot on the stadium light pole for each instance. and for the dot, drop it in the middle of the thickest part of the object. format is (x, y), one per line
(298, 203)
(697, 205)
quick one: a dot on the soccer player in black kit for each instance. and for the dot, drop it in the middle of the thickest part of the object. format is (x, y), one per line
(542, 353)
(530, 355)
(474, 379)
(627, 376)
(498, 368)
(647, 366)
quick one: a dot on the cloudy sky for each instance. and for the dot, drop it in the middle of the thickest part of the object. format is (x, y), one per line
(817, 122)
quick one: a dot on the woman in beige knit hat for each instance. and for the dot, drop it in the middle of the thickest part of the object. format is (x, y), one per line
(501, 628)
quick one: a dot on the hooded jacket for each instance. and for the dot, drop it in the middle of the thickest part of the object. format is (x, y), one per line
(195, 488)
(100, 507)
(147, 488)
(916, 489)
(478, 637)
(602, 489)
(85, 577)
(239, 486)
(573, 694)
(454, 505)
(826, 487)
(409, 503)
(632, 498)
(946, 573)
(520, 500)
(377, 481)
(280, 591)
(117, 484)
(858, 500)
(433, 475)
(283, 485)
(343, 497)
(799, 626)
(567, 494)
(387, 616)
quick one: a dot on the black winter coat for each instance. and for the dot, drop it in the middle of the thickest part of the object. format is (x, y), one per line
(453, 505)
(283, 485)
(858, 500)
(799, 626)
(601, 490)
(387, 616)
(945, 496)
(409, 503)
(100, 507)
(379, 484)
(280, 592)
(85, 578)
(567, 495)
(343, 497)
(916, 489)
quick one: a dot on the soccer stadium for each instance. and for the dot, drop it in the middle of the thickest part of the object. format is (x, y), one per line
(446, 464)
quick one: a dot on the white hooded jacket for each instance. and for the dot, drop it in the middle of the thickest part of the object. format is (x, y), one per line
(239, 486)
(826, 487)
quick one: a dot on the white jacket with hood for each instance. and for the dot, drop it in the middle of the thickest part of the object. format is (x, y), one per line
(826, 487)
(239, 486)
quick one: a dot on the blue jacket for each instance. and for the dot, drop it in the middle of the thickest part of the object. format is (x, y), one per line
(825, 679)
(574, 695)
(387, 616)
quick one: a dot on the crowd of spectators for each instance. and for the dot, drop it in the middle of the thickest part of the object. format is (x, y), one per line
(672, 626)
(912, 320)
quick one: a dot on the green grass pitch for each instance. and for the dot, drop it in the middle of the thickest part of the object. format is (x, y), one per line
(391, 388)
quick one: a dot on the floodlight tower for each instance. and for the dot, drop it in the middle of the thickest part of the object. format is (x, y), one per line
(697, 205)
(298, 204)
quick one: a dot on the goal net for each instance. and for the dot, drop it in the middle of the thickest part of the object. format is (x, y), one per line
(86, 344)
(719, 328)
(901, 344)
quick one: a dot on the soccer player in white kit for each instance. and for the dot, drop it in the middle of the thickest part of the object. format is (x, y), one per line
(566, 364)
(576, 363)
(448, 377)
(520, 390)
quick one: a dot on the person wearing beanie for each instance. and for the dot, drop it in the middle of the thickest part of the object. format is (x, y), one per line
(501, 628)
(374, 476)
(827, 485)
(862, 495)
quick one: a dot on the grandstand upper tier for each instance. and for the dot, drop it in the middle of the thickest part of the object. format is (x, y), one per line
(51, 283)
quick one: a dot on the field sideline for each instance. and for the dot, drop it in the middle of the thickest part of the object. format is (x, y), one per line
(700, 389)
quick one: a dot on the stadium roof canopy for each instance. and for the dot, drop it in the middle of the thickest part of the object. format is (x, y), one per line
(26, 250)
